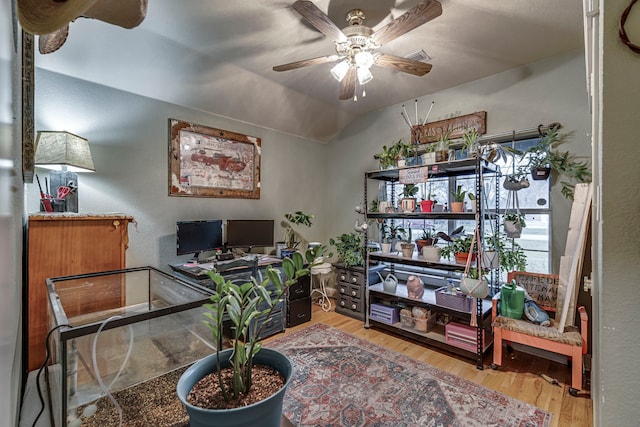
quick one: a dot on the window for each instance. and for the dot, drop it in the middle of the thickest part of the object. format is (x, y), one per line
(533, 203)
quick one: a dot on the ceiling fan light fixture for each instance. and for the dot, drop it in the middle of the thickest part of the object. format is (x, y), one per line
(364, 75)
(340, 70)
(363, 59)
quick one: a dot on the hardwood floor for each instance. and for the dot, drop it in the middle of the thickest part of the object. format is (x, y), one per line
(518, 377)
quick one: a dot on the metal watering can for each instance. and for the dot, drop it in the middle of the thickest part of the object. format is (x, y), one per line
(390, 283)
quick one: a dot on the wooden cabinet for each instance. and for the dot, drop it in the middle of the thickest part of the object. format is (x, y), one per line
(67, 244)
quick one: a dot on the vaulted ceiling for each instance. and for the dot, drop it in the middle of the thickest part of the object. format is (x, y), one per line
(217, 55)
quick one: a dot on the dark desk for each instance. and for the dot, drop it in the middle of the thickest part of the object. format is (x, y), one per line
(241, 270)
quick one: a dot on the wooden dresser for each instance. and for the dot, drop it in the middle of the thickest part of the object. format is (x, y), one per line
(66, 244)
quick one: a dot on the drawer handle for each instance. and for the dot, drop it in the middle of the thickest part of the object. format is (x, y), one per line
(343, 277)
(342, 303)
(301, 315)
(354, 279)
(343, 290)
(299, 291)
(354, 293)
(353, 306)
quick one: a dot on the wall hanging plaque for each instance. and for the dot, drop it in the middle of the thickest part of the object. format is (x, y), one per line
(208, 162)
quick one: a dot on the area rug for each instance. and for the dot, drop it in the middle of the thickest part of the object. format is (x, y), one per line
(343, 380)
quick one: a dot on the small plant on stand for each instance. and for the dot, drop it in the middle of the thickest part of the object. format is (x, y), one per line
(407, 246)
(427, 238)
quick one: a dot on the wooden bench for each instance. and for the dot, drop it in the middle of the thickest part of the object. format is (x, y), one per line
(543, 288)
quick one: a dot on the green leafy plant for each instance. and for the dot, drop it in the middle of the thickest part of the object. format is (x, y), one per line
(563, 163)
(459, 194)
(291, 238)
(470, 142)
(459, 245)
(373, 206)
(428, 232)
(350, 249)
(246, 306)
(512, 256)
(515, 217)
(389, 156)
(391, 231)
(409, 190)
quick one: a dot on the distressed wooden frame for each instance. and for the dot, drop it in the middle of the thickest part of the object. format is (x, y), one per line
(209, 162)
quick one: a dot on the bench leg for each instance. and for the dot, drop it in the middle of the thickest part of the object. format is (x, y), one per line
(576, 370)
(497, 348)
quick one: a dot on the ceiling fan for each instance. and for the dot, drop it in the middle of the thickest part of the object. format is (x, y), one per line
(357, 44)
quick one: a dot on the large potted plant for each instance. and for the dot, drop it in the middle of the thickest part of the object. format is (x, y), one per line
(223, 388)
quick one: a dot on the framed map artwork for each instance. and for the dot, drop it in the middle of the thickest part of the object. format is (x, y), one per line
(208, 162)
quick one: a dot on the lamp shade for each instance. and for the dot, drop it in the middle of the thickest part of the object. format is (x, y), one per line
(60, 150)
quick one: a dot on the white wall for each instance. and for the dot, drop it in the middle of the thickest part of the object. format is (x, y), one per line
(617, 231)
(552, 90)
(128, 136)
(11, 203)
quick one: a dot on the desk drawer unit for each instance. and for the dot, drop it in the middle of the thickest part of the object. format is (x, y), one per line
(299, 302)
(298, 311)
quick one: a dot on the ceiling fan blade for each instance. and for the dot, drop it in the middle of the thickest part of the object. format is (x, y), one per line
(348, 86)
(405, 65)
(306, 62)
(319, 19)
(421, 13)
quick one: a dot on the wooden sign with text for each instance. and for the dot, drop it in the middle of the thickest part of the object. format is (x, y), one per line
(431, 132)
(413, 175)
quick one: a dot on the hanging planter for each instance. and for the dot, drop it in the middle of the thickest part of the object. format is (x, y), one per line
(540, 173)
(513, 220)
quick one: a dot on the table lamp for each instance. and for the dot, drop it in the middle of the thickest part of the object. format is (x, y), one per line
(65, 154)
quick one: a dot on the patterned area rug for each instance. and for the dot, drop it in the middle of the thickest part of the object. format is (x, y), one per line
(343, 380)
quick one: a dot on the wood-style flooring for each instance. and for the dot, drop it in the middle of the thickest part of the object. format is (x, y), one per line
(519, 376)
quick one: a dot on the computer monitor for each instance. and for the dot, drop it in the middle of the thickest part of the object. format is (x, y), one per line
(249, 233)
(194, 237)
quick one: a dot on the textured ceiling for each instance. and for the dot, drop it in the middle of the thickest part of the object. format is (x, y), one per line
(217, 56)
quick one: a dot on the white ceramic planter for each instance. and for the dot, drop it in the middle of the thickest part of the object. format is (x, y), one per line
(432, 253)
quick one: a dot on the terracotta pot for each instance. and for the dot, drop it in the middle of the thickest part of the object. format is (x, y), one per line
(457, 206)
(461, 257)
(421, 243)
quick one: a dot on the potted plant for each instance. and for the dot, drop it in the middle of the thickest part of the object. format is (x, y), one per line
(458, 196)
(391, 233)
(442, 147)
(502, 253)
(544, 157)
(350, 249)
(389, 156)
(408, 201)
(407, 246)
(427, 238)
(429, 155)
(514, 222)
(460, 248)
(291, 238)
(225, 378)
(470, 142)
